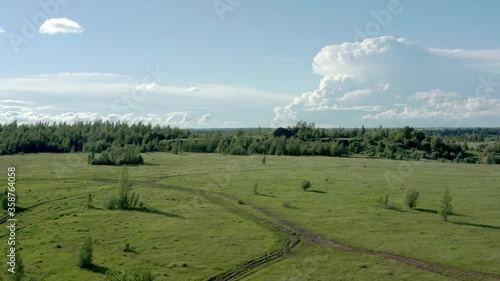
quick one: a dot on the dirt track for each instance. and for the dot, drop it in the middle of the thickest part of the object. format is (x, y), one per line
(293, 235)
(296, 234)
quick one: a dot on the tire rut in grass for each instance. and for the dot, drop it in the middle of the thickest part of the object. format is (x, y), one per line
(290, 228)
(291, 239)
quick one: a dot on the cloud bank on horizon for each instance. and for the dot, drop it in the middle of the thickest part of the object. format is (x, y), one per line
(395, 80)
(384, 79)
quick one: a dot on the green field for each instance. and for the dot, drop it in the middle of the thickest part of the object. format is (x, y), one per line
(191, 235)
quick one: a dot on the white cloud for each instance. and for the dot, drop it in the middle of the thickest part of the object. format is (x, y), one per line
(68, 84)
(60, 25)
(14, 101)
(349, 58)
(193, 89)
(350, 108)
(383, 87)
(115, 94)
(444, 106)
(186, 120)
(148, 87)
(2, 30)
(100, 85)
(491, 56)
(356, 95)
(204, 120)
(371, 75)
(335, 93)
(436, 97)
(32, 115)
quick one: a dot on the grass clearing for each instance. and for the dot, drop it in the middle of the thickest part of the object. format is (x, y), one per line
(185, 236)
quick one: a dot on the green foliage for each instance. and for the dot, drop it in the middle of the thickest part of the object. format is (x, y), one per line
(345, 205)
(305, 185)
(118, 143)
(127, 248)
(19, 272)
(86, 254)
(5, 200)
(135, 274)
(411, 198)
(129, 154)
(446, 209)
(124, 201)
(383, 200)
(89, 201)
(112, 203)
(256, 189)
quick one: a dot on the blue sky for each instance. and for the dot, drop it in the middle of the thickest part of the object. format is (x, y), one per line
(242, 63)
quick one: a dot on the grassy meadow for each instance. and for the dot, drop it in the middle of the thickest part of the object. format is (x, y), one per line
(188, 236)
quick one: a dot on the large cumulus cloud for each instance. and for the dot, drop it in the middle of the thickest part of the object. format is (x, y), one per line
(392, 79)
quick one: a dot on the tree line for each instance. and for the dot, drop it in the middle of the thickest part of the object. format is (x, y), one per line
(117, 143)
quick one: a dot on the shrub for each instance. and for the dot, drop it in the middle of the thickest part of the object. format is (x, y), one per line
(446, 207)
(411, 198)
(124, 200)
(383, 200)
(264, 160)
(128, 154)
(127, 248)
(256, 189)
(112, 203)
(86, 254)
(89, 201)
(305, 185)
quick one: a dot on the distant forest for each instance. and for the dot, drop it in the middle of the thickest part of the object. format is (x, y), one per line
(105, 139)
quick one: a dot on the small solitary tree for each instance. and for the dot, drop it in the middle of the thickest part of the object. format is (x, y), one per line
(256, 189)
(89, 201)
(446, 207)
(86, 254)
(411, 198)
(125, 201)
(383, 200)
(305, 185)
(264, 160)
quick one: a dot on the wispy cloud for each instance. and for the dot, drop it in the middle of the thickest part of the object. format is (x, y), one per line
(205, 120)
(2, 30)
(60, 25)
(193, 89)
(111, 96)
(483, 55)
(15, 101)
